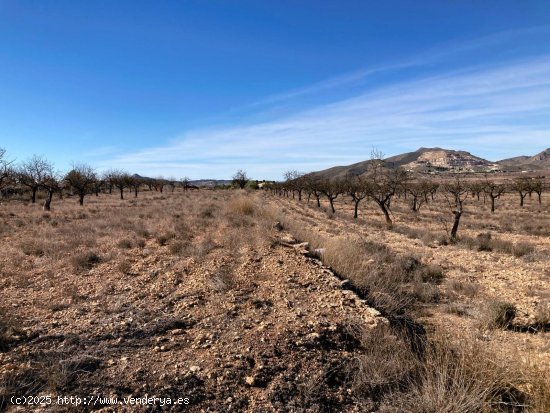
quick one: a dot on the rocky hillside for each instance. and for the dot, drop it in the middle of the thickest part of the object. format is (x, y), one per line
(438, 159)
(527, 163)
(423, 160)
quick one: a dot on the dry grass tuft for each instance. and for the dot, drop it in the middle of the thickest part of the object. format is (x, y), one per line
(542, 314)
(498, 314)
(125, 243)
(486, 242)
(385, 365)
(33, 247)
(162, 239)
(6, 328)
(461, 379)
(85, 260)
(242, 205)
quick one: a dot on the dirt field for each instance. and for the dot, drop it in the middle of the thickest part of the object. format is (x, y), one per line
(210, 296)
(513, 267)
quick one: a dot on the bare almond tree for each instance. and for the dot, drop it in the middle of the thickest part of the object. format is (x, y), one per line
(158, 183)
(135, 182)
(419, 193)
(184, 182)
(383, 184)
(312, 183)
(493, 190)
(81, 180)
(331, 188)
(357, 187)
(522, 186)
(108, 178)
(476, 188)
(32, 172)
(240, 178)
(99, 184)
(51, 184)
(537, 185)
(121, 180)
(456, 192)
(6, 173)
(294, 182)
(171, 182)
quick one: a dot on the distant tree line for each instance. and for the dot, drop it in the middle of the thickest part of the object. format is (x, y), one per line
(37, 174)
(380, 184)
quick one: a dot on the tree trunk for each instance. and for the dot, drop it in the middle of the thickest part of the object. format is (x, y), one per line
(492, 203)
(454, 230)
(414, 204)
(121, 193)
(389, 223)
(33, 197)
(135, 191)
(300, 195)
(48, 201)
(81, 199)
(318, 200)
(356, 207)
(521, 197)
(331, 201)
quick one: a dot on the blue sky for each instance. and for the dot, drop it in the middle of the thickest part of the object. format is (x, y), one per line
(203, 88)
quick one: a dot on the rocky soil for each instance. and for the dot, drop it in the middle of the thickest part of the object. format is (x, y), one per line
(263, 328)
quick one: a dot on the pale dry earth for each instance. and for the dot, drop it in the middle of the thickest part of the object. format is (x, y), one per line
(490, 275)
(233, 320)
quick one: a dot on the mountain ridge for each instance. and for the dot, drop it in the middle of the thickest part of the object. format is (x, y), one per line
(440, 160)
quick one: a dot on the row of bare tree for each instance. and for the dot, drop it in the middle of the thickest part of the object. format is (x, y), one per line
(380, 185)
(38, 174)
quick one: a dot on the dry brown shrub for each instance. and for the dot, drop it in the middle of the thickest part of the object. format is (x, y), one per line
(426, 292)
(458, 379)
(521, 249)
(468, 289)
(178, 247)
(125, 243)
(456, 309)
(125, 267)
(33, 247)
(85, 260)
(202, 248)
(7, 328)
(242, 205)
(498, 314)
(386, 363)
(542, 314)
(162, 239)
(222, 280)
(485, 242)
(431, 273)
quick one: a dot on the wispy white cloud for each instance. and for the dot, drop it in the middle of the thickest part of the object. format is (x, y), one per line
(493, 111)
(437, 54)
